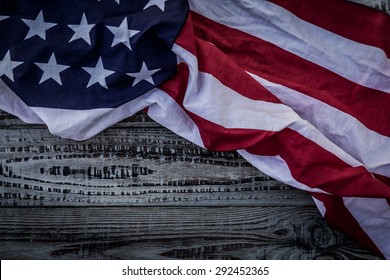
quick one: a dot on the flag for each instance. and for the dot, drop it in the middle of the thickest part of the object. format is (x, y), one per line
(299, 88)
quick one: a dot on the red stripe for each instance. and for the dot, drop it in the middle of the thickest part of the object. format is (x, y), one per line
(212, 60)
(340, 218)
(186, 37)
(350, 20)
(309, 157)
(308, 162)
(281, 67)
(383, 178)
(218, 138)
(230, 74)
(314, 166)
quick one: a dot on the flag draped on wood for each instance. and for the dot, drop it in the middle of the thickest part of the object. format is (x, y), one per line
(299, 88)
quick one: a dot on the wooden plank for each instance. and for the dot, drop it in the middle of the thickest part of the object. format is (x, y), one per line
(171, 232)
(186, 202)
(383, 5)
(133, 165)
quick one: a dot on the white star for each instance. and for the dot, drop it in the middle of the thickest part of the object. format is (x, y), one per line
(143, 74)
(51, 70)
(3, 17)
(38, 26)
(7, 66)
(82, 30)
(98, 74)
(122, 34)
(158, 3)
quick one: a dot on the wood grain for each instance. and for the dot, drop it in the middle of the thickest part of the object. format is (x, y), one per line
(129, 166)
(137, 191)
(383, 5)
(171, 232)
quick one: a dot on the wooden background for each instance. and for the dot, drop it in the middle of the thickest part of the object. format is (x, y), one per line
(137, 191)
(383, 5)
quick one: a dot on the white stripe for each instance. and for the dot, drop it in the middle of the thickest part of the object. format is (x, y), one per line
(74, 124)
(362, 64)
(320, 205)
(83, 124)
(277, 168)
(11, 103)
(208, 98)
(220, 104)
(367, 146)
(373, 215)
(170, 115)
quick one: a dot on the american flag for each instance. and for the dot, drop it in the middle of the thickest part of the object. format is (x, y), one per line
(299, 88)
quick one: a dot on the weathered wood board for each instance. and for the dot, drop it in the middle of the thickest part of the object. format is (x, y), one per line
(171, 232)
(383, 5)
(137, 191)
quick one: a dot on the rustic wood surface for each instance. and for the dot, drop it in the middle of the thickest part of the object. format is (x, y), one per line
(383, 5)
(137, 191)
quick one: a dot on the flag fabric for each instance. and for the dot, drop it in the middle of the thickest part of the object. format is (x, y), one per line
(80, 65)
(299, 88)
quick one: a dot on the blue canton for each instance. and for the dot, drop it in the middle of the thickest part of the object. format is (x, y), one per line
(87, 54)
